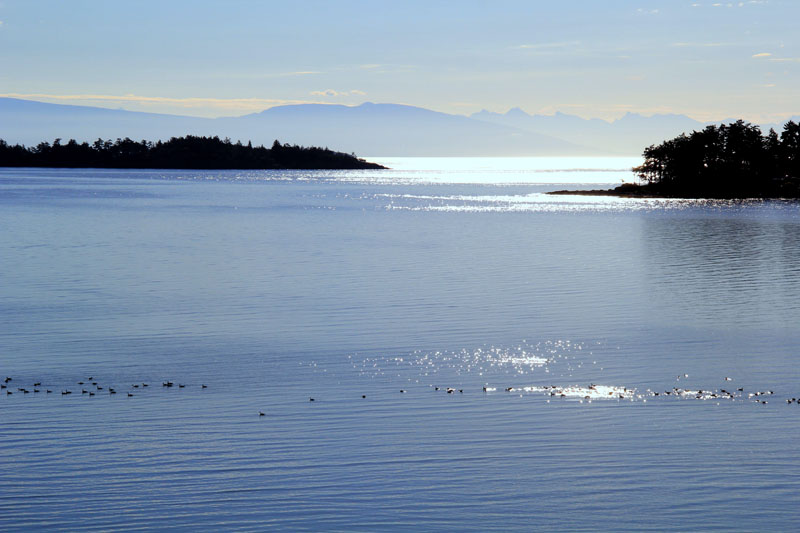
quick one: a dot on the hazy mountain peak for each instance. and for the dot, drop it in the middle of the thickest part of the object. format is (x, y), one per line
(516, 112)
(485, 113)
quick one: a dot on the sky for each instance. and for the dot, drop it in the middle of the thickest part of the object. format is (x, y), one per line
(707, 60)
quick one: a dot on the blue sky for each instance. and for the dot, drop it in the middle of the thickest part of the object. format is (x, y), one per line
(709, 60)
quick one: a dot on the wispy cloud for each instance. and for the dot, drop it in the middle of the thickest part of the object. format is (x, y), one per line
(375, 68)
(730, 4)
(331, 93)
(223, 104)
(785, 59)
(547, 46)
(472, 105)
(762, 54)
(298, 73)
(699, 45)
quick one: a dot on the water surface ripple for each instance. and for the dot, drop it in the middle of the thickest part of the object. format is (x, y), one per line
(406, 304)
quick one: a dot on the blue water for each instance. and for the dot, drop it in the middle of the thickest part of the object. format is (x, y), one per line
(272, 288)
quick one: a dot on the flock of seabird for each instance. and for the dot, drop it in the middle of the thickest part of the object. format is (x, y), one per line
(609, 392)
(91, 387)
(88, 386)
(721, 394)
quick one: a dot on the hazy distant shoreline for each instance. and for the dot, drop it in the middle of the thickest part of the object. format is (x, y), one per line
(642, 191)
(620, 192)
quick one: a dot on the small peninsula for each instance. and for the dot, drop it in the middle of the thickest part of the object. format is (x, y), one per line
(190, 152)
(730, 161)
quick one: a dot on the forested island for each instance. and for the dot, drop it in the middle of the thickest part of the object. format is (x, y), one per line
(729, 161)
(188, 152)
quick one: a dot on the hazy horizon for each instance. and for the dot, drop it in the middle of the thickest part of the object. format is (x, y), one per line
(550, 114)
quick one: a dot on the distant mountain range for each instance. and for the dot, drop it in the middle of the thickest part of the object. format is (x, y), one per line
(367, 130)
(628, 135)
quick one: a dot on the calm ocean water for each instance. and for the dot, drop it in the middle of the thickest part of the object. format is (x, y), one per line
(272, 288)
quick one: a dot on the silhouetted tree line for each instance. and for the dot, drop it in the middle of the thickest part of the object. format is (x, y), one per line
(727, 161)
(179, 152)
